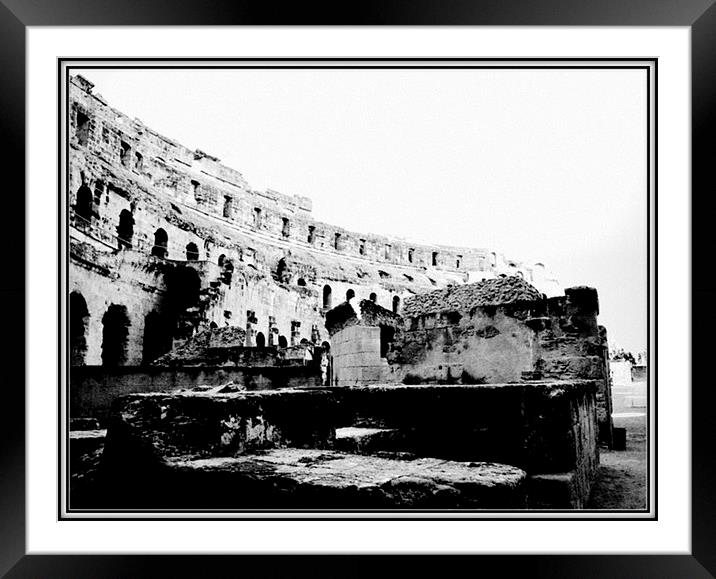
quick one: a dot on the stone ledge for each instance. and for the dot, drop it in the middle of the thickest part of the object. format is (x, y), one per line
(360, 440)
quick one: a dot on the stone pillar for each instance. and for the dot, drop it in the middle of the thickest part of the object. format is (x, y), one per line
(295, 333)
(272, 331)
(251, 321)
(315, 334)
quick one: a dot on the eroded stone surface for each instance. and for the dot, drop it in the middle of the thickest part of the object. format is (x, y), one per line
(329, 479)
(490, 292)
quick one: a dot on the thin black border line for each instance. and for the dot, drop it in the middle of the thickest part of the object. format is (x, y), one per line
(649, 371)
(653, 63)
(356, 59)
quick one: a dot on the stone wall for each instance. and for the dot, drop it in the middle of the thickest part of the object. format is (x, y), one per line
(94, 388)
(360, 343)
(356, 357)
(488, 345)
(570, 344)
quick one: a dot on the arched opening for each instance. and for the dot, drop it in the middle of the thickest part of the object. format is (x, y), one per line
(410, 255)
(192, 252)
(373, 297)
(181, 300)
(125, 229)
(159, 249)
(260, 340)
(301, 282)
(222, 257)
(79, 319)
(83, 126)
(124, 156)
(228, 272)
(350, 294)
(386, 338)
(281, 270)
(327, 296)
(228, 206)
(115, 329)
(435, 258)
(157, 340)
(286, 228)
(396, 304)
(83, 203)
(282, 342)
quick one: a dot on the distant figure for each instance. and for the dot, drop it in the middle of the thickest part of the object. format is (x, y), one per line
(324, 368)
(307, 355)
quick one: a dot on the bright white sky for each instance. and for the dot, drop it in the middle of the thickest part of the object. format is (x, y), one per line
(543, 165)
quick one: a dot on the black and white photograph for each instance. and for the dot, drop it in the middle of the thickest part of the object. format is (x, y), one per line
(357, 288)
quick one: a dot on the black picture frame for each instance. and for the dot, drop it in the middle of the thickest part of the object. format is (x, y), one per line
(16, 16)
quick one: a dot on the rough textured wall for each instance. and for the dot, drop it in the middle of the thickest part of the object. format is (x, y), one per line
(95, 388)
(570, 344)
(264, 264)
(462, 335)
(488, 345)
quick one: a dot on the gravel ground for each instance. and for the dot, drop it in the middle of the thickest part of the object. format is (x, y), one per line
(621, 479)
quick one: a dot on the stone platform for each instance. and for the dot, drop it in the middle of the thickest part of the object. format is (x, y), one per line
(345, 448)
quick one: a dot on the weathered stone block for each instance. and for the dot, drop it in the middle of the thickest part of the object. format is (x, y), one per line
(293, 478)
(209, 424)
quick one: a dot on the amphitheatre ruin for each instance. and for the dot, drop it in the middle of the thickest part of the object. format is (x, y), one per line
(222, 340)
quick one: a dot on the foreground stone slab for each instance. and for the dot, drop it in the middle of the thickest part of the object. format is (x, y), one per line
(320, 479)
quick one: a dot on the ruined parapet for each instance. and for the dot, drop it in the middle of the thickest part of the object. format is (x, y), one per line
(476, 333)
(573, 345)
(210, 346)
(503, 330)
(463, 298)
